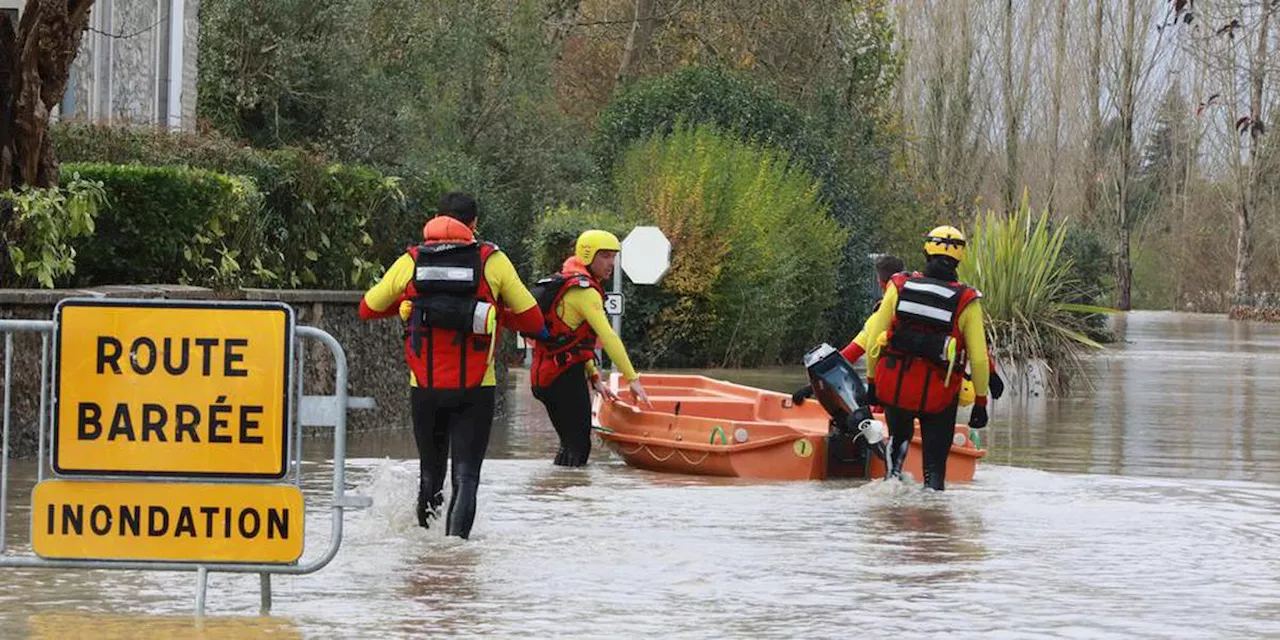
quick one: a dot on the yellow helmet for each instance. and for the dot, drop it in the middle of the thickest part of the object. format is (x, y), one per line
(595, 240)
(945, 241)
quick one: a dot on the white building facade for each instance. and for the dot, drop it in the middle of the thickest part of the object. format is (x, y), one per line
(137, 63)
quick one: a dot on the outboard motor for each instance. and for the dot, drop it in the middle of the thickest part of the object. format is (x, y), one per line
(839, 389)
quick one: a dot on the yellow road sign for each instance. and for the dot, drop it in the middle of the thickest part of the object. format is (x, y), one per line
(172, 388)
(134, 626)
(86, 520)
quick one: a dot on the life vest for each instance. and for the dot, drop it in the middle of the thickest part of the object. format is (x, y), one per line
(921, 367)
(567, 346)
(448, 339)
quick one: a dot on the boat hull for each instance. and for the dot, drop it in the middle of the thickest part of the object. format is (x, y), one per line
(703, 426)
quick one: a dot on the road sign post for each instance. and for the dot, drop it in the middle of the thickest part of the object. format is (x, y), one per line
(646, 257)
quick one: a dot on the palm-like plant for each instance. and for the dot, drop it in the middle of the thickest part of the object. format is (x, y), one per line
(1027, 284)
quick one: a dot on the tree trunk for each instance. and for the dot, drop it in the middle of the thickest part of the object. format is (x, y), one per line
(1194, 134)
(1128, 100)
(1095, 114)
(637, 41)
(1248, 190)
(1244, 248)
(1059, 63)
(1012, 114)
(34, 77)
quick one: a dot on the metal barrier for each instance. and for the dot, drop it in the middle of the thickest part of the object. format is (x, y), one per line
(318, 411)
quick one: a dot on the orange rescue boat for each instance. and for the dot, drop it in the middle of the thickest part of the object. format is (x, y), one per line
(703, 426)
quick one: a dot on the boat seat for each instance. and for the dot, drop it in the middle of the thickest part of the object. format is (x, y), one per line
(707, 407)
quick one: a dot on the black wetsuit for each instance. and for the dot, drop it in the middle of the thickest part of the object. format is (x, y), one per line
(568, 403)
(453, 422)
(936, 431)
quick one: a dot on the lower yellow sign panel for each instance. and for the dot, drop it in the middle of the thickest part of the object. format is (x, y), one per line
(167, 521)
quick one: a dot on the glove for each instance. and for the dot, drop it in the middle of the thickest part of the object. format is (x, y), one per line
(997, 386)
(869, 397)
(545, 335)
(978, 415)
(802, 393)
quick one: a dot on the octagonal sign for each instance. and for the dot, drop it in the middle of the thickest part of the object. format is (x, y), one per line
(646, 255)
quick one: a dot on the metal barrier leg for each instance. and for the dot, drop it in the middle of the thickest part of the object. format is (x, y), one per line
(266, 594)
(44, 403)
(297, 419)
(4, 451)
(202, 586)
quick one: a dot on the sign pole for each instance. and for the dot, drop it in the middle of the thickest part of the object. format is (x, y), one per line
(265, 608)
(646, 257)
(617, 320)
(202, 587)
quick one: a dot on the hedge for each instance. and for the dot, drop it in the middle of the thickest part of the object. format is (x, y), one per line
(320, 223)
(159, 222)
(306, 194)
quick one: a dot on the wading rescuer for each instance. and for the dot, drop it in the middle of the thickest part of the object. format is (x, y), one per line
(450, 287)
(886, 267)
(925, 328)
(572, 303)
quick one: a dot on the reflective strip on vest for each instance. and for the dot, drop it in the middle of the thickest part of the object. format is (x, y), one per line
(915, 308)
(935, 289)
(445, 274)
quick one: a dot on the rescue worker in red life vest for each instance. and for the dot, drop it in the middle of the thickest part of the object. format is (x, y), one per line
(448, 289)
(886, 267)
(924, 330)
(573, 306)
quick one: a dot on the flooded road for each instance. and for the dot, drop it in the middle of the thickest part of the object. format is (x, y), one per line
(1150, 508)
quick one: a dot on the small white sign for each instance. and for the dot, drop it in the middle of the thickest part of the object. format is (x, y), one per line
(646, 255)
(613, 304)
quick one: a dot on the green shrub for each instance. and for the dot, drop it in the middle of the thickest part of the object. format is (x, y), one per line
(753, 245)
(323, 218)
(556, 233)
(328, 225)
(1092, 276)
(754, 114)
(501, 220)
(40, 225)
(162, 224)
(1029, 287)
(80, 142)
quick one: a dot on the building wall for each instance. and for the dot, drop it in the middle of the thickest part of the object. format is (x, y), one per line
(123, 72)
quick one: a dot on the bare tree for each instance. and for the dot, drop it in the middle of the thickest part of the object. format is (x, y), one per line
(637, 40)
(1127, 105)
(1234, 45)
(1095, 111)
(1060, 27)
(1015, 88)
(1252, 126)
(1138, 53)
(948, 69)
